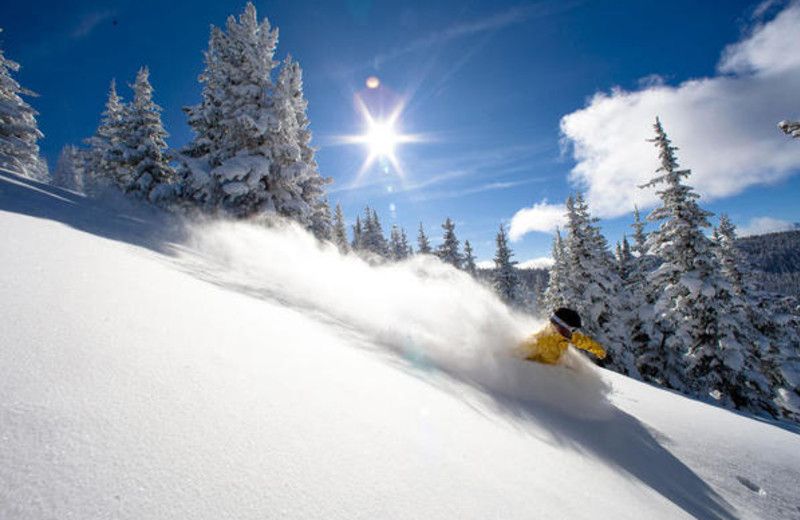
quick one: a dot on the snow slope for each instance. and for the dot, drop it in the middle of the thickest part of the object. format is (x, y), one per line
(151, 368)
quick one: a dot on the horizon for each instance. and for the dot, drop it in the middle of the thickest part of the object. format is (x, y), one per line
(487, 141)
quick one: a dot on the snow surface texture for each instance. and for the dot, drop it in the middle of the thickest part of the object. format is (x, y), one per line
(151, 369)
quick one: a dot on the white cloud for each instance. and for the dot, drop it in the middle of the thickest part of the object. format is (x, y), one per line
(485, 264)
(724, 126)
(542, 217)
(762, 225)
(544, 262)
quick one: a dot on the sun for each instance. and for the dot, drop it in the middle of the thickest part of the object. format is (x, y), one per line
(381, 139)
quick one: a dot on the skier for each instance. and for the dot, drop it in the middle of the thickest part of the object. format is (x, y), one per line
(548, 344)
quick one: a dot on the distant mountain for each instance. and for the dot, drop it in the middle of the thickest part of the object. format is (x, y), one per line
(776, 260)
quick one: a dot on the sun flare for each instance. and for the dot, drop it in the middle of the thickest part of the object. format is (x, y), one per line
(381, 139)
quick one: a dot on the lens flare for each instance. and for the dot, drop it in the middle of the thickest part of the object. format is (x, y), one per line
(373, 82)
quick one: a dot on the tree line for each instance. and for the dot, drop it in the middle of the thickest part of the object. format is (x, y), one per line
(677, 307)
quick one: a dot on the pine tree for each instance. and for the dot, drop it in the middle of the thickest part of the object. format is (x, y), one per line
(750, 389)
(398, 244)
(358, 236)
(340, 230)
(556, 284)
(695, 353)
(228, 164)
(409, 251)
(252, 153)
(423, 244)
(369, 236)
(295, 182)
(322, 220)
(592, 286)
(100, 164)
(506, 280)
(448, 250)
(18, 129)
(143, 147)
(469, 259)
(69, 169)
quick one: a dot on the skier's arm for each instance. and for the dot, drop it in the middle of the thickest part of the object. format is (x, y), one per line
(588, 344)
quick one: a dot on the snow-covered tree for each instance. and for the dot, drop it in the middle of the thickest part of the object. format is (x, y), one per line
(295, 182)
(398, 244)
(369, 235)
(506, 280)
(556, 285)
(340, 230)
(251, 153)
(749, 388)
(358, 236)
(227, 165)
(142, 146)
(322, 220)
(423, 244)
(19, 131)
(469, 259)
(592, 286)
(694, 351)
(101, 161)
(448, 249)
(69, 170)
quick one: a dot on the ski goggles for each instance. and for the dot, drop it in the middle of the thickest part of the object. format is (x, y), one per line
(563, 329)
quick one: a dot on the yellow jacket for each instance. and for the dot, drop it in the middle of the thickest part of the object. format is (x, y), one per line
(547, 345)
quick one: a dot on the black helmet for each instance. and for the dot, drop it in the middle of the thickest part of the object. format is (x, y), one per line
(566, 321)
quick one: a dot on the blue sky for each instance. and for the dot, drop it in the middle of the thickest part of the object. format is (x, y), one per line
(513, 106)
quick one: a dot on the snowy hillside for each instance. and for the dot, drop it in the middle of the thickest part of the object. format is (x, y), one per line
(155, 369)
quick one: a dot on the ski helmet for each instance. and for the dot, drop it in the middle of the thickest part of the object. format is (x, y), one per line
(566, 321)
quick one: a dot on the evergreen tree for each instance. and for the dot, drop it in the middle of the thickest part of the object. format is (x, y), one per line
(750, 389)
(556, 283)
(101, 166)
(295, 182)
(322, 220)
(69, 169)
(469, 259)
(639, 236)
(398, 244)
(423, 244)
(695, 353)
(358, 236)
(228, 164)
(506, 280)
(18, 129)
(370, 238)
(340, 230)
(252, 152)
(142, 146)
(409, 251)
(448, 250)
(592, 286)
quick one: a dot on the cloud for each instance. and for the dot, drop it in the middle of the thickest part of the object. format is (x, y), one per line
(724, 126)
(762, 225)
(89, 22)
(492, 186)
(542, 217)
(495, 22)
